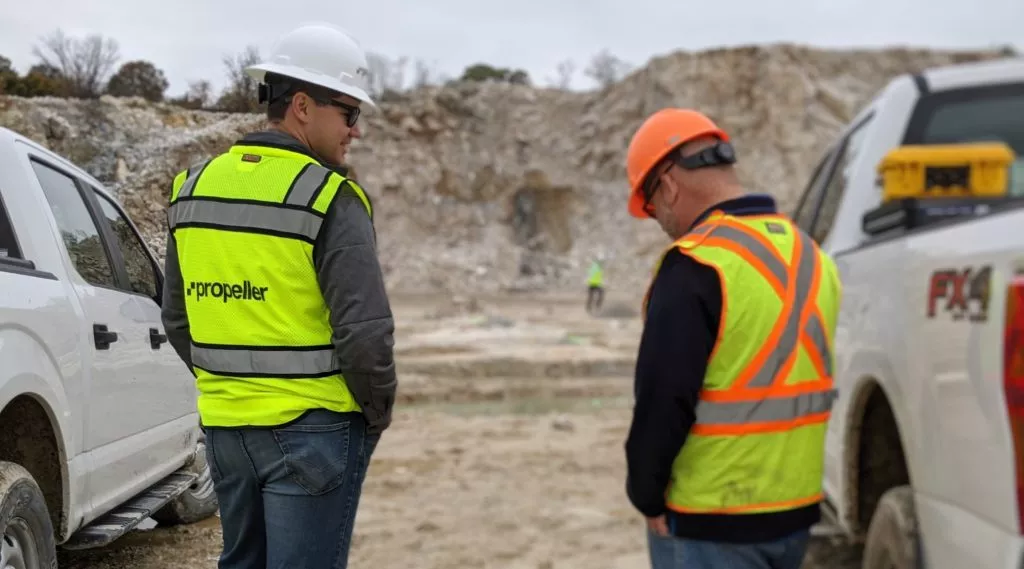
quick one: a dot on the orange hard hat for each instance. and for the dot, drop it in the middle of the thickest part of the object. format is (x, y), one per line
(660, 134)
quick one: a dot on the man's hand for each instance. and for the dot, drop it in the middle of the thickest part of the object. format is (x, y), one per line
(658, 525)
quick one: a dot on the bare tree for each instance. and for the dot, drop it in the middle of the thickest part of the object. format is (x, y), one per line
(84, 63)
(378, 68)
(200, 93)
(396, 82)
(606, 69)
(424, 74)
(385, 74)
(564, 72)
(239, 95)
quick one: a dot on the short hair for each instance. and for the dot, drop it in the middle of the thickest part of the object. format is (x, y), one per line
(285, 88)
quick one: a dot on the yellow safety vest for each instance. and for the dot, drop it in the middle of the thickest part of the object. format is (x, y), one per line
(758, 443)
(244, 224)
(596, 276)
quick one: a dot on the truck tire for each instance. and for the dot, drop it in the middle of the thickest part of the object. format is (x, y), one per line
(26, 533)
(892, 540)
(198, 502)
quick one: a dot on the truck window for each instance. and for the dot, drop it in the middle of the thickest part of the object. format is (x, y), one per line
(81, 236)
(837, 183)
(991, 113)
(811, 198)
(141, 274)
(8, 243)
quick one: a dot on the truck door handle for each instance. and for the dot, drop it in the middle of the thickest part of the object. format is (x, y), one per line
(103, 337)
(156, 338)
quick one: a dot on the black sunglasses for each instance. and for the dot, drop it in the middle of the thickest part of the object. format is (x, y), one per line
(269, 92)
(351, 111)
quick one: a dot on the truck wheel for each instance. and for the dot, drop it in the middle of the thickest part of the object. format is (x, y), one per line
(26, 533)
(198, 502)
(892, 540)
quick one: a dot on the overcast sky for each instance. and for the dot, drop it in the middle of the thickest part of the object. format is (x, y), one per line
(188, 38)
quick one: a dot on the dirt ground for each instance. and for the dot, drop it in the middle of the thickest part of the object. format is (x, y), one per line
(505, 451)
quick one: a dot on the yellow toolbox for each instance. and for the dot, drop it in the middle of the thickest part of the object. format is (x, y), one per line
(947, 170)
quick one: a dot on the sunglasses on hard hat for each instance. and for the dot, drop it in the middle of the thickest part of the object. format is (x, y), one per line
(715, 155)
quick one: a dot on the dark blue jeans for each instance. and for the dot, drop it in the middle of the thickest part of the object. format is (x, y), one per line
(677, 553)
(288, 495)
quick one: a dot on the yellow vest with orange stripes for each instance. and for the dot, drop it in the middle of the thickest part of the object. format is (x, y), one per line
(758, 442)
(244, 224)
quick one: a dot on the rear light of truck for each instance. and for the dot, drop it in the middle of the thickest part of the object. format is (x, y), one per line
(1013, 380)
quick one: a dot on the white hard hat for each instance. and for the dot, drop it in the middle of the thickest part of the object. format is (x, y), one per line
(321, 54)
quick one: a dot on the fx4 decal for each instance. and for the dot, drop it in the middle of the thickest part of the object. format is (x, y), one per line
(961, 293)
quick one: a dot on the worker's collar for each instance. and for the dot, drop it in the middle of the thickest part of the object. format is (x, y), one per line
(280, 139)
(749, 204)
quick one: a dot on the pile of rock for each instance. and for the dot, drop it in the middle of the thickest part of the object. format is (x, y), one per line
(507, 187)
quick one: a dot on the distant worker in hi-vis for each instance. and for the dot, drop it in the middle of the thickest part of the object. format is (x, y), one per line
(733, 383)
(595, 286)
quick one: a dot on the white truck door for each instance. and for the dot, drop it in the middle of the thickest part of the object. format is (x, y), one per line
(124, 392)
(173, 393)
(113, 411)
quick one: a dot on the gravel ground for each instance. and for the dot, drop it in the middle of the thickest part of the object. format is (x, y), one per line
(517, 471)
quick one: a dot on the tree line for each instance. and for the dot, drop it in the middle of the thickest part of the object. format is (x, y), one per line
(91, 66)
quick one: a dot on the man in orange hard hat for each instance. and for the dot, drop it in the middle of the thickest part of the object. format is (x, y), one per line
(734, 373)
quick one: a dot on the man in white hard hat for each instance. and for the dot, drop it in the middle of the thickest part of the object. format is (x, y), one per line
(274, 298)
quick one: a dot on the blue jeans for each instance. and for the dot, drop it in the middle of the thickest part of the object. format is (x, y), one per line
(288, 495)
(676, 553)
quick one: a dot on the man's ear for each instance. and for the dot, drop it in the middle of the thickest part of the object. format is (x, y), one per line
(670, 188)
(300, 107)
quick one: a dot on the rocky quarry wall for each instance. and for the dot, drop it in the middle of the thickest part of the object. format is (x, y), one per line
(497, 187)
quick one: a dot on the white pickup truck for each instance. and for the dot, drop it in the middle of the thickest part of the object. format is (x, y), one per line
(98, 422)
(925, 449)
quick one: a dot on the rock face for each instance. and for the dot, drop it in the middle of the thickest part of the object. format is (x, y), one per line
(507, 187)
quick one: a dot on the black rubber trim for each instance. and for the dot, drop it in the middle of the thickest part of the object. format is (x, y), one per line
(23, 267)
(1013, 206)
(252, 230)
(296, 376)
(921, 83)
(295, 180)
(264, 348)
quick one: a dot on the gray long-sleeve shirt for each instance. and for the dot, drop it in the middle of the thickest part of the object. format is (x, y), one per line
(352, 283)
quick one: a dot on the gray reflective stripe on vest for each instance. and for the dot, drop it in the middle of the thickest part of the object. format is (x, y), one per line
(190, 179)
(765, 410)
(306, 185)
(266, 363)
(791, 333)
(701, 229)
(816, 331)
(246, 216)
(774, 265)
